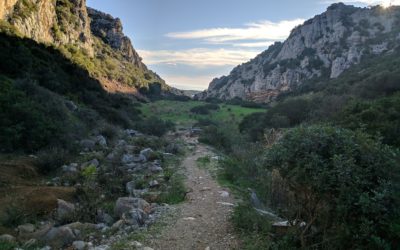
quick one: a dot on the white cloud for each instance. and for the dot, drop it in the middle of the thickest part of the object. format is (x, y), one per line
(199, 82)
(385, 3)
(254, 45)
(237, 45)
(198, 57)
(266, 31)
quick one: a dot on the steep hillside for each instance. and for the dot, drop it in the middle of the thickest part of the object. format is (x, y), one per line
(46, 101)
(66, 71)
(322, 48)
(89, 38)
(109, 30)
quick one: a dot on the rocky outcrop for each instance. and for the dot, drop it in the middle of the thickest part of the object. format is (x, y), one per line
(6, 6)
(60, 22)
(323, 46)
(109, 29)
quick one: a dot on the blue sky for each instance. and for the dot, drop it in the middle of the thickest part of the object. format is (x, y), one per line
(189, 42)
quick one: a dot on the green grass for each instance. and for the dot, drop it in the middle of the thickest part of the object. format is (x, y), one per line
(175, 190)
(179, 112)
(204, 161)
(7, 245)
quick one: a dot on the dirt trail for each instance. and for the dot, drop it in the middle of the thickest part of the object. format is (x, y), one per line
(204, 219)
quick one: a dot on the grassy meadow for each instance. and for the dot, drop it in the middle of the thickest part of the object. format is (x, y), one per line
(179, 112)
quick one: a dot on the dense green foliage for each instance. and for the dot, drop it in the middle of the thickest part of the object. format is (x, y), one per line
(341, 185)
(38, 85)
(24, 119)
(379, 117)
(204, 109)
(154, 126)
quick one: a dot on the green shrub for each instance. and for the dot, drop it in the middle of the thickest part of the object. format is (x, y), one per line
(175, 193)
(51, 159)
(246, 218)
(89, 202)
(380, 118)
(13, 216)
(216, 137)
(244, 168)
(204, 122)
(288, 113)
(109, 131)
(8, 245)
(345, 184)
(253, 228)
(204, 109)
(24, 122)
(204, 161)
(155, 126)
(154, 143)
(89, 173)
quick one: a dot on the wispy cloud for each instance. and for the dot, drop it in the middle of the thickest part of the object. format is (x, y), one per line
(385, 3)
(265, 31)
(198, 57)
(216, 48)
(254, 44)
(198, 82)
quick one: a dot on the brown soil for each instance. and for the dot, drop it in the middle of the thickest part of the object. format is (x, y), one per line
(203, 222)
(22, 189)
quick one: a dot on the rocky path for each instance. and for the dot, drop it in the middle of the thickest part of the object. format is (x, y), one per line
(204, 218)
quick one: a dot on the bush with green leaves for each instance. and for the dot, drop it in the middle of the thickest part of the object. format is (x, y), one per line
(345, 184)
(216, 137)
(288, 113)
(24, 118)
(204, 109)
(379, 117)
(50, 159)
(4, 245)
(155, 126)
(253, 227)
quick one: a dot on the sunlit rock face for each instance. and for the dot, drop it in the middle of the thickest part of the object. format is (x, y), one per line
(59, 22)
(324, 46)
(110, 30)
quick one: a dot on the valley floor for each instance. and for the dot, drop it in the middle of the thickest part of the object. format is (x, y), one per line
(203, 222)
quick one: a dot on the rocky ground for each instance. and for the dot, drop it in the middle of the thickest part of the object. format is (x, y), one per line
(107, 216)
(114, 188)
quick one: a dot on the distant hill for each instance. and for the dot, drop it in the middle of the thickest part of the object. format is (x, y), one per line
(191, 93)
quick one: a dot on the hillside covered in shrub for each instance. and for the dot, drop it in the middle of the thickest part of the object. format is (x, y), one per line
(323, 156)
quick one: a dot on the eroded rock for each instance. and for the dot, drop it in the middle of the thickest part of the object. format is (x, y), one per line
(126, 204)
(65, 210)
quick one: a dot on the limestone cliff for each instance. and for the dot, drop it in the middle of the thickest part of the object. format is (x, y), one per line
(109, 29)
(323, 47)
(59, 22)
